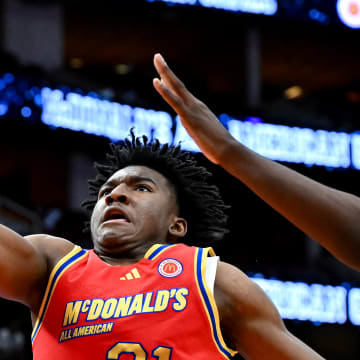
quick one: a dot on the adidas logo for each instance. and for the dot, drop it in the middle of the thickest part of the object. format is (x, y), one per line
(133, 274)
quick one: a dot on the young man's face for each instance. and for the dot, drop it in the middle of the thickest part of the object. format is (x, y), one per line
(136, 207)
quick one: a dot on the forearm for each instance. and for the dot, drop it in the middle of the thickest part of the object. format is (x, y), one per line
(329, 216)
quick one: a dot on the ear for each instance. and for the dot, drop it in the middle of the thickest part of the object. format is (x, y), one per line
(178, 228)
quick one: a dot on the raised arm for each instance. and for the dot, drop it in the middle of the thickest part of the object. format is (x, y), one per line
(250, 321)
(25, 264)
(329, 216)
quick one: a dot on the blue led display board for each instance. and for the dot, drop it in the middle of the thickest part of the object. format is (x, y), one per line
(325, 12)
(277, 142)
(313, 302)
(89, 113)
(261, 7)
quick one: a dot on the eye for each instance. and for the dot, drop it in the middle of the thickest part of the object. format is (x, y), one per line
(143, 188)
(104, 192)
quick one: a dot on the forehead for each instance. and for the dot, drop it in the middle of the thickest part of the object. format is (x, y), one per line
(138, 171)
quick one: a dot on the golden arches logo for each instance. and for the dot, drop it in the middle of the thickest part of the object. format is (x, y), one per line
(170, 268)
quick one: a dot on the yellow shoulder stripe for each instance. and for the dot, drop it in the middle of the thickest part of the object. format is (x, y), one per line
(209, 301)
(73, 256)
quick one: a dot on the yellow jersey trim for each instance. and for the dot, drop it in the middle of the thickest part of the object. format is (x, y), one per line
(76, 254)
(208, 301)
(156, 250)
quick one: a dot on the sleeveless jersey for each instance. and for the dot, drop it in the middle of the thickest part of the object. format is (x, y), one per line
(158, 308)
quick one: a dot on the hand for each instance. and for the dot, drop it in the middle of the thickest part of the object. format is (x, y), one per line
(198, 120)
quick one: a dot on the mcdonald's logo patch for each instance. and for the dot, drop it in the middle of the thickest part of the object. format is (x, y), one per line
(170, 268)
(131, 275)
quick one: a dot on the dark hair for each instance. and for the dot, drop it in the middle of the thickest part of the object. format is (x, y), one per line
(199, 202)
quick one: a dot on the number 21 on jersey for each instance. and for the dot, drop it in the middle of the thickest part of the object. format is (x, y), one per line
(138, 351)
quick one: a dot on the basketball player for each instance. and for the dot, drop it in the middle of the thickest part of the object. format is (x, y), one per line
(329, 216)
(141, 293)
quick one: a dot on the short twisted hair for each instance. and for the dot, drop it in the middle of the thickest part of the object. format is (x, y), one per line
(199, 203)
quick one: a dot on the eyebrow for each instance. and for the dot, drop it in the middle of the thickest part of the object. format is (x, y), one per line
(131, 179)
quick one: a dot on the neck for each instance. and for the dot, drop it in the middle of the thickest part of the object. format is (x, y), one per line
(117, 261)
(123, 255)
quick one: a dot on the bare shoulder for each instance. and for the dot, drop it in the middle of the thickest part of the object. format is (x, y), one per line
(235, 291)
(52, 248)
(241, 303)
(26, 263)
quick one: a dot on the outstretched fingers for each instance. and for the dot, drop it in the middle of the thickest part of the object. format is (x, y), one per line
(169, 78)
(174, 101)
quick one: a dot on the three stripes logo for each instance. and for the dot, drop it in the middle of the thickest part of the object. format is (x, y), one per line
(131, 275)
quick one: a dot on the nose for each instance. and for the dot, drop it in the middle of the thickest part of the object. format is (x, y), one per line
(117, 194)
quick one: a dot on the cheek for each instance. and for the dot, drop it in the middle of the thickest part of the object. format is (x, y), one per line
(92, 227)
(162, 213)
(150, 213)
(94, 220)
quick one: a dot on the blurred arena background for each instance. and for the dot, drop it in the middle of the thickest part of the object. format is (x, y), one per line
(284, 77)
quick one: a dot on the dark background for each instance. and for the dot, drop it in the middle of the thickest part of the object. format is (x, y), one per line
(42, 168)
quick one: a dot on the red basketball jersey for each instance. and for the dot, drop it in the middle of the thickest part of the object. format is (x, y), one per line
(159, 308)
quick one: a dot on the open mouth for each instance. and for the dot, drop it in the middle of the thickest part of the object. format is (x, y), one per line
(115, 215)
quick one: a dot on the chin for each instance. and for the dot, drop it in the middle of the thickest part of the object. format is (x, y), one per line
(113, 240)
